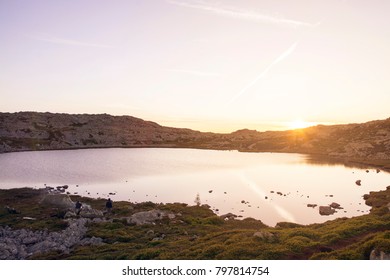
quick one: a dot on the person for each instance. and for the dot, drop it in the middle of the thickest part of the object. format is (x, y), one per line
(109, 205)
(78, 207)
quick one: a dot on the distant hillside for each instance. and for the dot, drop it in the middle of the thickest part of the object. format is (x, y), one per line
(41, 131)
(367, 142)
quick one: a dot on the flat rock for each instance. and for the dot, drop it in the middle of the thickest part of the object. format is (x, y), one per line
(335, 205)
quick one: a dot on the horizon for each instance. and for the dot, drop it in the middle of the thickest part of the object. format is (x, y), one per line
(218, 132)
(210, 66)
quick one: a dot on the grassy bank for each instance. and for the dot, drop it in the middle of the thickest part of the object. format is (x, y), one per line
(197, 233)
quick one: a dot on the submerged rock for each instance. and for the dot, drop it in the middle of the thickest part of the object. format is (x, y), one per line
(335, 205)
(326, 210)
(312, 205)
(358, 182)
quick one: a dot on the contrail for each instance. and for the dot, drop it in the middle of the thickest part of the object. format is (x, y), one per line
(262, 74)
(235, 13)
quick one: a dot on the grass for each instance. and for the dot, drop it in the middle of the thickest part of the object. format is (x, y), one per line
(198, 233)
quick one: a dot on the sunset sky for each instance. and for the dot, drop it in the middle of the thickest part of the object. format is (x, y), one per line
(205, 65)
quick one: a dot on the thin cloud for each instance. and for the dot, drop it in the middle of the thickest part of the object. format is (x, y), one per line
(195, 72)
(263, 73)
(69, 42)
(240, 14)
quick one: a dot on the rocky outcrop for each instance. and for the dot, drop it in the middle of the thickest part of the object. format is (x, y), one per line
(23, 243)
(46, 131)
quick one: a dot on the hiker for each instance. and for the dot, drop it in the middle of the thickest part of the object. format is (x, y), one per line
(109, 205)
(78, 207)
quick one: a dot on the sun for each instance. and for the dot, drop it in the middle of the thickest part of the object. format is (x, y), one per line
(299, 124)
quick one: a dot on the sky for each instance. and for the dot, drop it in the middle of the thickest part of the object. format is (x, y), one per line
(206, 65)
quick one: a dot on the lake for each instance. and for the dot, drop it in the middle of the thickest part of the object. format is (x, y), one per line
(245, 184)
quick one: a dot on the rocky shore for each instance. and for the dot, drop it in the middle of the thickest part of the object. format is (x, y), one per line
(367, 143)
(23, 243)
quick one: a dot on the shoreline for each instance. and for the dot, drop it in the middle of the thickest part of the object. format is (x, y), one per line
(383, 165)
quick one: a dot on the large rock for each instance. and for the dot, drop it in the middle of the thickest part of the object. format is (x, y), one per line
(62, 201)
(147, 217)
(326, 210)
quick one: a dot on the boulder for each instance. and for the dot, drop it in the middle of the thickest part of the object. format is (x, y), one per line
(62, 201)
(326, 210)
(264, 235)
(146, 217)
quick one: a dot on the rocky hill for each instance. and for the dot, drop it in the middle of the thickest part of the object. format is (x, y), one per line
(46, 131)
(367, 142)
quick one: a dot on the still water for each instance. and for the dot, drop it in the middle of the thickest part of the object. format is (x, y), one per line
(223, 180)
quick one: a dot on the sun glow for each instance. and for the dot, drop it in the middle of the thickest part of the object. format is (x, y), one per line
(298, 124)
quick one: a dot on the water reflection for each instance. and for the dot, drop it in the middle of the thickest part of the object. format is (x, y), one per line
(329, 161)
(274, 186)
